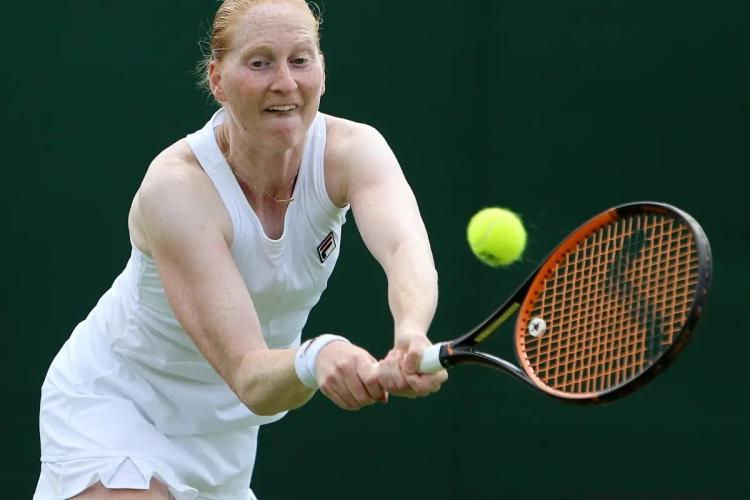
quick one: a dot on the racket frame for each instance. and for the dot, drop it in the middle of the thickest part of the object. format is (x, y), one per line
(460, 351)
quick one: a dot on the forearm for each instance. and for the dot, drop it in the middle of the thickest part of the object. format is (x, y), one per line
(267, 382)
(412, 286)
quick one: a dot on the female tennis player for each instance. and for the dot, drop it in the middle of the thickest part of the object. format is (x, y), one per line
(235, 230)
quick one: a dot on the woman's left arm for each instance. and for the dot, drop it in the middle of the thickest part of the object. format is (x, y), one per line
(388, 218)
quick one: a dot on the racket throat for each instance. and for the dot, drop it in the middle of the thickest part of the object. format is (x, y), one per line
(469, 357)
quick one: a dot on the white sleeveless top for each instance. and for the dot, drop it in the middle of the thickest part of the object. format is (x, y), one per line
(285, 278)
(130, 383)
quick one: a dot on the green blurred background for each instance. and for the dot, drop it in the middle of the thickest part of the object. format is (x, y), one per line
(556, 109)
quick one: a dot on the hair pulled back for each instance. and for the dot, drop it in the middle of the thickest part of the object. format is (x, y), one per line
(227, 16)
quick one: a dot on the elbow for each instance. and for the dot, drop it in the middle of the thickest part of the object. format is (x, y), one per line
(260, 397)
(272, 387)
(258, 401)
(254, 396)
(252, 392)
(264, 404)
(262, 408)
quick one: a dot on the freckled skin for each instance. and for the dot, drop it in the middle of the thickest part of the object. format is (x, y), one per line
(275, 61)
(178, 218)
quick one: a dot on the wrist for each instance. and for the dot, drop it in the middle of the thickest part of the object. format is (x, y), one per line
(406, 330)
(307, 355)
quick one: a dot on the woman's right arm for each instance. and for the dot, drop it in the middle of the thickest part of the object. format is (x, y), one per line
(181, 216)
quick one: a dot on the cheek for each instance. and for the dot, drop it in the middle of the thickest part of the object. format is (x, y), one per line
(240, 84)
(312, 85)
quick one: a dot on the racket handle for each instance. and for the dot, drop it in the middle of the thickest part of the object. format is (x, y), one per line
(431, 360)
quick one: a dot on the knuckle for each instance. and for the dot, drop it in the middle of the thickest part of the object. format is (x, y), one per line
(346, 364)
(343, 368)
(325, 382)
(413, 354)
(370, 378)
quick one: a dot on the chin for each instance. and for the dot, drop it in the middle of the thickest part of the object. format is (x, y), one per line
(289, 133)
(283, 138)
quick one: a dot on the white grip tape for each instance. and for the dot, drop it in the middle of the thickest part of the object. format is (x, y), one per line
(431, 360)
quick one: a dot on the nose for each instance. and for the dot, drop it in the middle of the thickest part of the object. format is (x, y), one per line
(283, 80)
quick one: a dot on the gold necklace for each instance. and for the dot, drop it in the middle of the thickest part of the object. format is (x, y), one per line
(274, 198)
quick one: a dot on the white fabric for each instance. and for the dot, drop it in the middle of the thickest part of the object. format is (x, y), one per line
(129, 396)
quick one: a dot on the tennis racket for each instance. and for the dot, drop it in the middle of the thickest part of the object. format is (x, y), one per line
(608, 310)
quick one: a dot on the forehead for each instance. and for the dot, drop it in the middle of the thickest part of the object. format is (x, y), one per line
(273, 24)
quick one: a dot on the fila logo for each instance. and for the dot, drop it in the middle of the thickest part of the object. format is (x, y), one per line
(326, 247)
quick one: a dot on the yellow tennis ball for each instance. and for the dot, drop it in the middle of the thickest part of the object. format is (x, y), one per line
(496, 236)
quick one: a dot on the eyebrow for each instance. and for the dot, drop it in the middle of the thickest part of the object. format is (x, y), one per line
(265, 47)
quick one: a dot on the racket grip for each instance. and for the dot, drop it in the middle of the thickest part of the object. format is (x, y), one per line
(431, 360)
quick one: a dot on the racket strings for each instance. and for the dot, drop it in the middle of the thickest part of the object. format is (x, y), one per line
(614, 304)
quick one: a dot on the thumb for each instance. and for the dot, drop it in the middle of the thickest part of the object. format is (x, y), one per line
(412, 359)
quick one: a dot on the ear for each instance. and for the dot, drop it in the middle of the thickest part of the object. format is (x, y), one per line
(323, 62)
(214, 79)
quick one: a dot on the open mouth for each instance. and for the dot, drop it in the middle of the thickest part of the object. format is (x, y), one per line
(281, 109)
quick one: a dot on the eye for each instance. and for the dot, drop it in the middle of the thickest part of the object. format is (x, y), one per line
(257, 64)
(299, 60)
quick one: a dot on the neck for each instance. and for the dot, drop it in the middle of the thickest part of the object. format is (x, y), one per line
(264, 169)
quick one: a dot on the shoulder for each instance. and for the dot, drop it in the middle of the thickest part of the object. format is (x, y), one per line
(175, 187)
(346, 136)
(353, 150)
(174, 167)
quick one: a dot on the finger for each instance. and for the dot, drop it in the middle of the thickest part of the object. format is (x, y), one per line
(392, 376)
(357, 392)
(424, 384)
(436, 380)
(412, 359)
(385, 379)
(368, 375)
(415, 383)
(398, 377)
(334, 387)
(434, 384)
(337, 399)
(384, 397)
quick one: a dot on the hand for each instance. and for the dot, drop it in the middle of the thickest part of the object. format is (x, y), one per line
(397, 373)
(348, 376)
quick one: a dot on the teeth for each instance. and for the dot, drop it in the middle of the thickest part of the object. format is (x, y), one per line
(288, 107)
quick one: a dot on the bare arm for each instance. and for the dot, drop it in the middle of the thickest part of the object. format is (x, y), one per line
(391, 226)
(181, 216)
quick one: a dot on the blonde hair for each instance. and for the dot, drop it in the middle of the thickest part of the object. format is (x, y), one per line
(230, 11)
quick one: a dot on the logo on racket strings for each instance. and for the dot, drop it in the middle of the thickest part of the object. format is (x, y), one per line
(537, 327)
